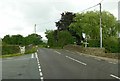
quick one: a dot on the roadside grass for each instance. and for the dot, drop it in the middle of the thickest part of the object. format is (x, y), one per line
(30, 51)
(10, 55)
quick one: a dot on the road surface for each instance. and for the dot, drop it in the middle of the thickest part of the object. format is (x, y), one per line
(58, 64)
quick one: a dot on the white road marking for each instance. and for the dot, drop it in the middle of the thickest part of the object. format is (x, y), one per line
(39, 67)
(36, 55)
(112, 63)
(41, 74)
(114, 76)
(40, 70)
(57, 52)
(32, 56)
(38, 64)
(76, 60)
(41, 78)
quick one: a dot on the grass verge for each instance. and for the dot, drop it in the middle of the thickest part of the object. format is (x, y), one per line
(10, 55)
(30, 51)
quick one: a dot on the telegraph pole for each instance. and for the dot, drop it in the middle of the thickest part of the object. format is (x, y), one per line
(100, 27)
(35, 28)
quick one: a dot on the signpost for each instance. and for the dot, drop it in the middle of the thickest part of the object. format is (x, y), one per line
(22, 49)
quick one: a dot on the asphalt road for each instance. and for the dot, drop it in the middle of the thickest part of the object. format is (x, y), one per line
(22, 67)
(58, 64)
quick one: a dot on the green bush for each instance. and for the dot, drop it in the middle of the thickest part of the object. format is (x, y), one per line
(94, 43)
(9, 49)
(30, 49)
(111, 44)
(64, 38)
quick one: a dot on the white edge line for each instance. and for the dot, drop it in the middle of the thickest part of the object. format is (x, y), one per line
(40, 70)
(39, 67)
(41, 74)
(41, 78)
(114, 76)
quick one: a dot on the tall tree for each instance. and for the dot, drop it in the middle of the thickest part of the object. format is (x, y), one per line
(89, 23)
(65, 21)
(34, 39)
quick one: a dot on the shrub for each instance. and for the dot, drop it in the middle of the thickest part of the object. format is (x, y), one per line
(9, 49)
(111, 44)
(94, 43)
(64, 38)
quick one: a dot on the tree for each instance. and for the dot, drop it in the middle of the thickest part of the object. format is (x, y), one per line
(65, 21)
(34, 39)
(65, 38)
(7, 39)
(51, 38)
(88, 23)
(14, 39)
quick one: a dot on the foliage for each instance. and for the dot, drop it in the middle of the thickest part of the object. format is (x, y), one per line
(88, 23)
(51, 38)
(34, 39)
(30, 50)
(65, 21)
(8, 49)
(93, 43)
(11, 43)
(63, 38)
(111, 44)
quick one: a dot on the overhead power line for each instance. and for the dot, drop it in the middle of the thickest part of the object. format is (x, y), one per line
(89, 8)
(80, 11)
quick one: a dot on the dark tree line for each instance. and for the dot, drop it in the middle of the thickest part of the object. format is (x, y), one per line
(73, 25)
(34, 39)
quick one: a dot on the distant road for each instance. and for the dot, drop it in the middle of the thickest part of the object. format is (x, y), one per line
(58, 64)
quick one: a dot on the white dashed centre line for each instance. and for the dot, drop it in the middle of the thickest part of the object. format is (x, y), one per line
(76, 60)
(57, 52)
(114, 76)
(39, 67)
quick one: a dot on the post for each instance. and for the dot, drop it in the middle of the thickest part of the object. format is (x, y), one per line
(35, 29)
(100, 27)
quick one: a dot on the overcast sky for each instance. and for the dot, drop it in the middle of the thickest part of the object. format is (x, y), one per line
(20, 16)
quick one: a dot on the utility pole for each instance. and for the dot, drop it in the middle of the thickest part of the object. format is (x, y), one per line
(100, 27)
(35, 28)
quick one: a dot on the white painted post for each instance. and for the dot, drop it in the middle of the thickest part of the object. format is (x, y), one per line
(22, 49)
